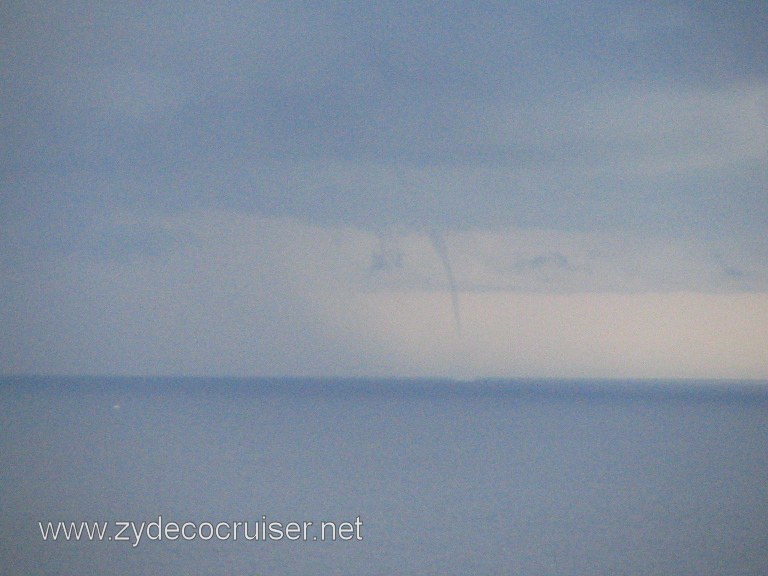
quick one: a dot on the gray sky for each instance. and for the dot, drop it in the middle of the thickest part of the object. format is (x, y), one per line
(274, 189)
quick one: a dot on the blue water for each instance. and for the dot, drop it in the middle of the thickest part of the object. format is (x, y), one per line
(448, 478)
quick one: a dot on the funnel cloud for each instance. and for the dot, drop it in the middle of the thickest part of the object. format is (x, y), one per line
(438, 243)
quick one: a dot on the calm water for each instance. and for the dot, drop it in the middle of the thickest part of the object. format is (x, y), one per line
(482, 478)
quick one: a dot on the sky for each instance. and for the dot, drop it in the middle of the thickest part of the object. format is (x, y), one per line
(561, 189)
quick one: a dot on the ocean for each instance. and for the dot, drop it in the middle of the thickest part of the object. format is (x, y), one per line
(411, 477)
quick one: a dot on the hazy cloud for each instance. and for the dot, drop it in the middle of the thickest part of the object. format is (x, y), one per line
(272, 172)
(264, 296)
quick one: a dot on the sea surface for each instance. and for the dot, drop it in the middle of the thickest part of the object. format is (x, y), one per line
(447, 478)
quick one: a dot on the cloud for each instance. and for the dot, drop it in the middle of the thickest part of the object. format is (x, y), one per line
(637, 23)
(588, 335)
(553, 261)
(252, 189)
(387, 257)
(251, 295)
(389, 116)
(667, 159)
(545, 261)
(643, 133)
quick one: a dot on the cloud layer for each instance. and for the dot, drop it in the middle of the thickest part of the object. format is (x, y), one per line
(252, 295)
(272, 173)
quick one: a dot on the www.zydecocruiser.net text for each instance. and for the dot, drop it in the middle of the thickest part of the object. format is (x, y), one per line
(159, 530)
